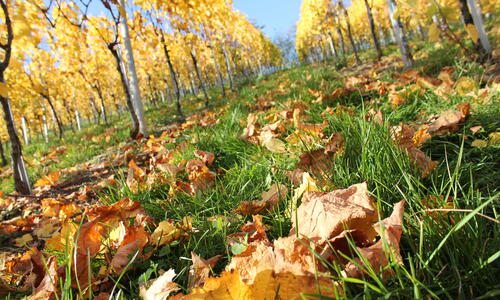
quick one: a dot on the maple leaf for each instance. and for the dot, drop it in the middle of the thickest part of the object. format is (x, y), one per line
(323, 216)
(377, 255)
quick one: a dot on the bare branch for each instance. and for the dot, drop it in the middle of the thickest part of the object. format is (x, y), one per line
(10, 37)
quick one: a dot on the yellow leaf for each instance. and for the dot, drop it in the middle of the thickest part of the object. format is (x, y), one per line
(308, 184)
(65, 239)
(464, 85)
(472, 31)
(50, 179)
(21, 241)
(4, 90)
(122, 11)
(275, 145)
(494, 138)
(165, 233)
(479, 143)
(450, 14)
(434, 33)
(266, 285)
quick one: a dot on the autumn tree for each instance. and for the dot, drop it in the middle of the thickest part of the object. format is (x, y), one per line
(20, 174)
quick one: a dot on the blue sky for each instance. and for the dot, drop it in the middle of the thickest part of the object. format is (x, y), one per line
(278, 16)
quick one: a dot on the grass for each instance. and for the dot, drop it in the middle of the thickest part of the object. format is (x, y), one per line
(446, 254)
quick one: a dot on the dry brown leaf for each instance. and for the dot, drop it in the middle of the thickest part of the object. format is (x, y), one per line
(207, 157)
(323, 216)
(396, 99)
(475, 129)
(47, 288)
(91, 234)
(270, 199)
(200, 270)
(375, 116)
(446, 75)
(448, 120)
(377, 255)
(405, 138)
(134, 241)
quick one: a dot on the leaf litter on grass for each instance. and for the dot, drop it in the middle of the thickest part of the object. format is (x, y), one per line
(335, 233)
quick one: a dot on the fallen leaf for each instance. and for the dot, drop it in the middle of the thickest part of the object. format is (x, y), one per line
(475, 129)
(308, 184)
(405, 138)
(48, 286)
(49, 180)
(446, 122)
(134, 241)
(494, 138)
(161, 287)
(479, 143)
(323, 216)
(274, 145)
(23, 240)
(270, 199)
(464, 85)
(378, 256)
(207, 157)
(200, 270)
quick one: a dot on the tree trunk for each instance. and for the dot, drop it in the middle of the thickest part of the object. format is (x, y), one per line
(173, 78)
(97, 114)
(45, 124)
(332, 45)
(349, 34)
(169, 94)
(69, 114)
(472, 16)
(20, 174)
(26, 135)
(135, 92)
(217, 68)
(228, 66)
(121, 70)
(97, 87)
(200, 79)
(192, 85)
(2, 155)
(400, 34)
(55, 116)
(341, 40)
(78, 120)
(373, 30)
